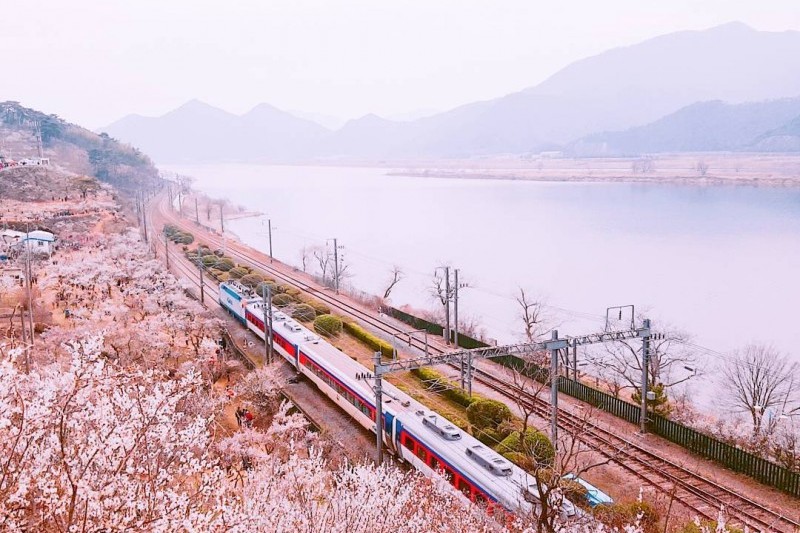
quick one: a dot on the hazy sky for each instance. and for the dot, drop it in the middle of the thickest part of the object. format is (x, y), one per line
(94, 61)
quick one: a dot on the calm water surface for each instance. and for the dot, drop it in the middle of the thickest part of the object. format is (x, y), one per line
(721, 263)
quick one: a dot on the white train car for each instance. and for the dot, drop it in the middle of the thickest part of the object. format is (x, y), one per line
(412, 432)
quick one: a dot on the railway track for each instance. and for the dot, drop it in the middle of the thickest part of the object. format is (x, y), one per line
(703, 496)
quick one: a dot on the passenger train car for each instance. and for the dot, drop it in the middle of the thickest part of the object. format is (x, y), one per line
(413, 433)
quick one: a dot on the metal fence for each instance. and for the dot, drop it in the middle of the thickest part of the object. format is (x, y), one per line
(726, 454)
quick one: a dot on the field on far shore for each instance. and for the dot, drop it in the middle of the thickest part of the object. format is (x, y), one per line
(774, 170)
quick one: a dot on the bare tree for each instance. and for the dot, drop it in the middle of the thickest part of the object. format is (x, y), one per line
(305, 255)
(702, 167)
(323, 258)
(670, 362)
(396, 276)
(438, 289)
(522, 380)
(531, 314)
(760, 378)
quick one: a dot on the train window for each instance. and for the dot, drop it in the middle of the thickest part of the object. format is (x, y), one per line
(434, 463)
(447, 473)
(422, 453)
(407, 441)
(464, 486)
(478, 497)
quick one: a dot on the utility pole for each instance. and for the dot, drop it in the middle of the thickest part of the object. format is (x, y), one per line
(266, 293)
(166, 247)
(455, 309)
(645, 362)
(447, 305)
(269, 232)
(221, 220)
(144, 220)
(22, 323)
(575, 362)
(196, 210)
(554, 392)
(202, 284)
(28, 277)
(378, 408)
(336, 264)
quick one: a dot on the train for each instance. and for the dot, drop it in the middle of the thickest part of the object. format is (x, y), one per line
(412, 432)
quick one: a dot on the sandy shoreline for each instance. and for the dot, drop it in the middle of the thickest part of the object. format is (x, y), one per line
(471, 174)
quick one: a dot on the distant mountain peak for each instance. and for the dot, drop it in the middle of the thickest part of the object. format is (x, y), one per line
(734, 25)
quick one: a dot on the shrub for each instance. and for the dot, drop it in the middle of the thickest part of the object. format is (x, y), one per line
(373, 342)
(237, 272)
(251, 280)
(575, 492)
(534, 445)
(440, 385)
(225, 263)
(209, 260)
(293, 291)
(304, 313)
(282, 300)
(319, 307)
(706, 525)
(492, 438)
(182, 237)
(170, 230)
(328, 325)
(621, 514)
(487, 413)
(260, 288)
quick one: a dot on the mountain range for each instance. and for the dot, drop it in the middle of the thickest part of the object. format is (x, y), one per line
(769, 126)
(620, 90)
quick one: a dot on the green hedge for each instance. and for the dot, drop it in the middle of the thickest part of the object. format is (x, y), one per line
(282, 300)
(328, 325)
(252, 280)
(535, 446)
(444, 387)
(237, 272)
(379, 345)
(488, 414)
(304, 313)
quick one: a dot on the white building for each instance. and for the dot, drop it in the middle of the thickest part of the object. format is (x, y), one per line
(40, 242)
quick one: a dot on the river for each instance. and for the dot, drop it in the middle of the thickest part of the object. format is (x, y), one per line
(720, 263)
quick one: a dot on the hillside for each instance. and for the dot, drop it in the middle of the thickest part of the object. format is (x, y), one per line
(619, 89)
(704, 127)
(72, 148)
(199, 132)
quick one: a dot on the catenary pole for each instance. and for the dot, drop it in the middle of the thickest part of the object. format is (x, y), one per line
(28, 276)
(554, 392)
(271, 334)
(266, 294)
(378, 408)
(196, 210)
(455, 309)
(335, 265)
(269, 232)
(645, 363)
(447, 304)
(202, 283)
